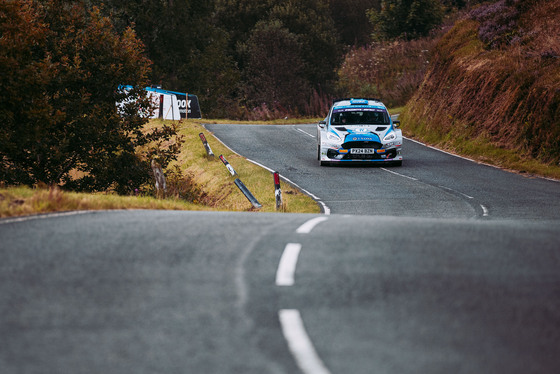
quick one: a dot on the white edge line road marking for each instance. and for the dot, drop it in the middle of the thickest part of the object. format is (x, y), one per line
(400, 175)
(310, 225)
(45, 216)
(460, 193)
(326, 209)
(469, 159)
(299, 343)
(447, 153)
(287, 265)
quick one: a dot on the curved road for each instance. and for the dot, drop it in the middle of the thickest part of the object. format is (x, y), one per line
(439, 266)
(431, 183)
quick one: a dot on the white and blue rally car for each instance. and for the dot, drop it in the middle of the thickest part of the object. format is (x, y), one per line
(359, 130)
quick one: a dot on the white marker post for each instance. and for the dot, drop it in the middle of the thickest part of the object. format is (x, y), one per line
(209, 152)
(228, 166)
(277, 190)
(247, 194)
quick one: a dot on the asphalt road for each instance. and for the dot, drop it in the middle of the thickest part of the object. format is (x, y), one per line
(447, 266)
(429, 184)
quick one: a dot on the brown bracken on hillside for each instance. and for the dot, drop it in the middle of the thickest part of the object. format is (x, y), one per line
(496, 75)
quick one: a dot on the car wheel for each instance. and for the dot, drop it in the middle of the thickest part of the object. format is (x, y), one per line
(398, 163)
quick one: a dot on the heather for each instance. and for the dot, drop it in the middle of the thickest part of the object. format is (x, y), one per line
(391, 71)
(495, 81)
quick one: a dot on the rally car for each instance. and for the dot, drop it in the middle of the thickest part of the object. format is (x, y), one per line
(359, 130)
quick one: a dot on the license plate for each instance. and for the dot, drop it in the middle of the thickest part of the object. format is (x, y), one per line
(362, 151)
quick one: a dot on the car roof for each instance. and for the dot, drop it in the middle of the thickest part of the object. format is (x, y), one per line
(358, 102)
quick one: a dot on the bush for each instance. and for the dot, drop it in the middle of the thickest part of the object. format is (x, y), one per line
(391, 71)
(498, 23)
(60, 72)
(405, 19)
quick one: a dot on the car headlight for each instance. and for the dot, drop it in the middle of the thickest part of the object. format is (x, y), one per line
(390, 136)
(332, 136)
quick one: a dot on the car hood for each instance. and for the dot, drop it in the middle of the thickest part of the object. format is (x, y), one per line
(361, 133)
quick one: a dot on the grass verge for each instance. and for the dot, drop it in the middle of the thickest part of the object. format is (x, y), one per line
(462, 141)
(196, 183)
(20, 201)
(210, 183)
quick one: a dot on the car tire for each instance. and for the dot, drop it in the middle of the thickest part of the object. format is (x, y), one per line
(397, 163)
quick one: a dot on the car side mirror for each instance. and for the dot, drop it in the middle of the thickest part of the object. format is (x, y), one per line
(397, 124)
(322, 124)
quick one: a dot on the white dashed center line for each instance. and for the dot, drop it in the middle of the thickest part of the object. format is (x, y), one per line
(287, 266)
(299, 343)
(399, 174)
(309, 225)
(306, 133)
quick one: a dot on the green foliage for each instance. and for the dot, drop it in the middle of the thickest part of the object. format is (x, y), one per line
(303, 61)
(189, 52)
(61, 67)
(275, 65)
(406, 19)
(351, 21)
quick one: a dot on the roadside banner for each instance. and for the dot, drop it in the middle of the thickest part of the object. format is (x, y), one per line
(171, 105)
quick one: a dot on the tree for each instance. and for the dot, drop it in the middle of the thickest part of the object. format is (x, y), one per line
(406, 19)
(61, 68)
(274, 71)
(304, 29)
(351, 21)
(189, 52)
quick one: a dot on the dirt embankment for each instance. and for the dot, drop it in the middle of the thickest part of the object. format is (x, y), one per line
(495, 77)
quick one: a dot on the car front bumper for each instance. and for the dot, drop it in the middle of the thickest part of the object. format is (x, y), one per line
(340, 154)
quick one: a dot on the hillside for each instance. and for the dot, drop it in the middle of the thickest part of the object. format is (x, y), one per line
(494, 80)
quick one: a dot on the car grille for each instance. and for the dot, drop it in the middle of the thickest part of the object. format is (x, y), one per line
(361, 144)
(392, 153)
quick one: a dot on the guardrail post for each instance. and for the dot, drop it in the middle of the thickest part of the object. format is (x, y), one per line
(277, 190)
(247, 194)
(209, 152)
(228, 166)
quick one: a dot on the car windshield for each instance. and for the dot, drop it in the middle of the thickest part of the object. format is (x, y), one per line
(361, 116)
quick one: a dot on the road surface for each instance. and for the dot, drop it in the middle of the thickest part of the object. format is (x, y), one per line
(441, 265)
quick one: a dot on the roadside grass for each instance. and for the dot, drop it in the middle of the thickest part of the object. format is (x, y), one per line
(21, 201)
(211, 184)
(462, 141)
(194, 181)
(288, 121)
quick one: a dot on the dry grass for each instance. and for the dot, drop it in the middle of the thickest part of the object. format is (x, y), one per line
(500, 105)
(211, 184)
(20, 201)
(195, 182)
